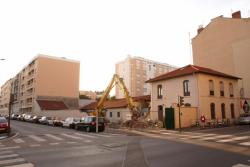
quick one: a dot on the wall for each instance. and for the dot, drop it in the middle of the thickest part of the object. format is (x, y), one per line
(56, 77)
(188, 116)
(224, 46)
(206, 99)
(124, 113)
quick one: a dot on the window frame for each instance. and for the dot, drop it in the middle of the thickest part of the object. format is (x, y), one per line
(222, 93)
(231, 89)
(223, 111)
(186, 91)
(212, 111)
(159, 91)
(211, 87)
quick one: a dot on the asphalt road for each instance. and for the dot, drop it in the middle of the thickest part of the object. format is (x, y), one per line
(45, 146)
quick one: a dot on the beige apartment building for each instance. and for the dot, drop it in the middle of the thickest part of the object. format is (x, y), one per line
(90, 94)
(5, 97)
(206, 93)
(46, 83)
(224, 45)
(135, 71)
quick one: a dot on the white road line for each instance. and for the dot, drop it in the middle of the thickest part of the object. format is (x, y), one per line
(35, 145)
(245, 144)
(18, 141)
(165, 133)
(87, 141)
(240, 165)
(201, 136)
(216, 137)
(71, 142)
(36, 138)
(53, 144)
(8, 156)
(11, 161)
(70, 136)
(8, 148)
(101, 135)
(5, 152)
(54, 137)
(233, 139)
(85, 135)
(22, 165)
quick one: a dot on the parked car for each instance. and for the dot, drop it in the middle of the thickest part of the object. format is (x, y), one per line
(244, 119)
(57, 122)
(3, 125)
(44, 120)
(35, 119)
(27, 118)
(70, 122)
(88, 124)
(14, 116)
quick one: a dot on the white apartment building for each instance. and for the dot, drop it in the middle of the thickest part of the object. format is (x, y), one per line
(135, 71)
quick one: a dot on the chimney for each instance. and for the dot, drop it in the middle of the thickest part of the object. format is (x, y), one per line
(200, 29)
(236, 15)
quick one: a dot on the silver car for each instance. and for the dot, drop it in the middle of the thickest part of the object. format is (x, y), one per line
(244, 119)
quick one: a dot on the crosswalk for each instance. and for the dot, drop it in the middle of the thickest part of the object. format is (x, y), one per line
(11, 159)
(211, 137)
(53, 140)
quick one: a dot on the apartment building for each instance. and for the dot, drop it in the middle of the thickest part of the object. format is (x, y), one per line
(46, 83)
(5, 97)
(90, 94)
(224, 45)
(135, 71)
(206, 92)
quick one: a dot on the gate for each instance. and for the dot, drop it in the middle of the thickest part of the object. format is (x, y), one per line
(169, 118)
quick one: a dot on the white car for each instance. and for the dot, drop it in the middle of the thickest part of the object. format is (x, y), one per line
(244, 119)
(70, 122)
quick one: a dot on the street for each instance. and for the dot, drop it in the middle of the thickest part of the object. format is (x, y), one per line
(45, 146)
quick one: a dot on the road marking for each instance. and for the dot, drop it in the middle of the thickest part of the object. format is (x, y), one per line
(35, 145)
(8, 148)
(53, 144)
(8, 156)
(85, 135)
(101, 135)
(87, 141)
(11, 161)
(201, 136)
(36, 138)
(165, 133)
(18, 141)
(54, 137)
(240, 165)
(233, 139)
(70, 136)
(71, 142)
(22, 165)
(216, 137)
(5, 152)
(245, 144)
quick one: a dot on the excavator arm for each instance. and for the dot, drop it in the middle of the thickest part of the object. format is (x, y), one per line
(119, 81)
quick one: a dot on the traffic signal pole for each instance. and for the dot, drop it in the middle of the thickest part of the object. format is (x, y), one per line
(179, 106)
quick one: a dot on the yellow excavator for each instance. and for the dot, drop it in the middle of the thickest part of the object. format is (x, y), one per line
(116, 80)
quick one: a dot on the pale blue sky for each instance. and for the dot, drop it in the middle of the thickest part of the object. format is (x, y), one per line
(99, 33)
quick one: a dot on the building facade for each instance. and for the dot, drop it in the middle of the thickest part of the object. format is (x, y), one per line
(5, 97)
(135, 71)
(207, 92)
(48, 81)
(224, 45)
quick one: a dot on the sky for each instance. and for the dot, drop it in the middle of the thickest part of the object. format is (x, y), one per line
(100, 33)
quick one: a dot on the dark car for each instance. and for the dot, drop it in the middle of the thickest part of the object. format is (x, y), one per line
(89, 124)
(3, 125)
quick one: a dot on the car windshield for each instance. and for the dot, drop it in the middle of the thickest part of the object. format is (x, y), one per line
(92, 119)
(3, 120)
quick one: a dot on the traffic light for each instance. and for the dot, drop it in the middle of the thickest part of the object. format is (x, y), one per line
(181, 102)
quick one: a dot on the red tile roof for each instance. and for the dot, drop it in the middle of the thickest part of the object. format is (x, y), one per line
(51, 105)
(116, 103)
(188, 70)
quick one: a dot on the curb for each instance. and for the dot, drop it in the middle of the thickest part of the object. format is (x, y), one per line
(7, 137)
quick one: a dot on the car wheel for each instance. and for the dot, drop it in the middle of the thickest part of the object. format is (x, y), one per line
(87, 129)
(76, 127)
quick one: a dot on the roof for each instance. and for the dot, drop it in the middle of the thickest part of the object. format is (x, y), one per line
(188, 70)
(51, 105)
(116, 103)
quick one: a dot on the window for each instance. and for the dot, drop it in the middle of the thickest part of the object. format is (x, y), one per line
(211, 87)
(186, 88)
(223, 114)
(221, 88)
(212, 110)
(118, 114)
(232, 110)
(110, 114)
(231, 90)
(159, 91)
